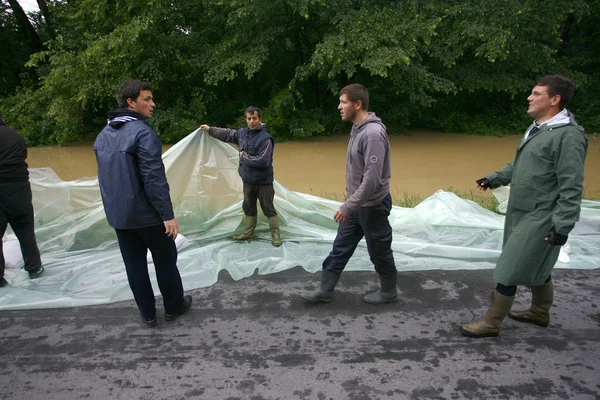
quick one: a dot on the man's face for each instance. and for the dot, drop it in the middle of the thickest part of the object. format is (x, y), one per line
(253, 120)
(347, 108)
(144, 104)
(540, 102)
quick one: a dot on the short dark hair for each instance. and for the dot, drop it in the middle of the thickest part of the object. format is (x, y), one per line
(252, 109)
(558, 85)
(131, 90)
(356, 92)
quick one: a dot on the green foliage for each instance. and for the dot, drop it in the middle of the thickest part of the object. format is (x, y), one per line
(174, 123)
(286, 120)
(460, 66)
(28, 116)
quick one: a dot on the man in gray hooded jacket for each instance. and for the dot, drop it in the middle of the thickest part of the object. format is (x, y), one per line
(368, 201)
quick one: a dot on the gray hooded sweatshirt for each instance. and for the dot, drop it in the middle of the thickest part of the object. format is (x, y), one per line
(367, 165)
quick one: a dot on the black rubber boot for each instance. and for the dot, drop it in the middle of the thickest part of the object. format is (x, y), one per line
(324, 294)
(388, 292)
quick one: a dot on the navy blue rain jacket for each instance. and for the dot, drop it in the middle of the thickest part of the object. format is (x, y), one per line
(133, 184)
(256, 165)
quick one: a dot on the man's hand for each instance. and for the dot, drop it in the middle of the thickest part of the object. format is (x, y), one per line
(556, 239)
(171, 228)
(204, 127)
(483, 184)
(339, 216)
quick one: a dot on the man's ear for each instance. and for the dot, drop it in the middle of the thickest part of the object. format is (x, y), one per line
(555, 100)
(131, 102)
(359, 104)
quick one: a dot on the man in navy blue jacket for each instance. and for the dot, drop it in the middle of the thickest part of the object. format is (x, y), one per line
(256, 170)
(135, 194)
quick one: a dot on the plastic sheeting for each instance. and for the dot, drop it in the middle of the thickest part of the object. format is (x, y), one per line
(84, 266)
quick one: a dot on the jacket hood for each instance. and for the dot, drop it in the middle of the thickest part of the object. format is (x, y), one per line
(371, 119)
(121, 116)
(562, 118)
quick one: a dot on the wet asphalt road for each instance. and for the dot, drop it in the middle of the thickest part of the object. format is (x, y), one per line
(257, 339)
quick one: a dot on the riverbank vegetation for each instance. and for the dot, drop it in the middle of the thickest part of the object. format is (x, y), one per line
(487, 201)
(458, 66)
(407, 200)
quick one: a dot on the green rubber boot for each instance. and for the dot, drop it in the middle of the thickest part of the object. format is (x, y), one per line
(275, 235)
(490, 324)
(542, 298)
(248, 233)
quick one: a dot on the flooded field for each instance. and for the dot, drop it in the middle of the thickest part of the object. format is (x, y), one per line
(422, 162)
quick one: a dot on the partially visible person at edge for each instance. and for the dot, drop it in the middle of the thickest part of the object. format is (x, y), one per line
(256, 147)
(16, 207)
(135, 194)
(368, 201)
(546, 180)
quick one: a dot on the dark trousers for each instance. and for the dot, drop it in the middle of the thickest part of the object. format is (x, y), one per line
(512, 290)
(265, 194)
(373, 224)
(134, 244)
(16, 209)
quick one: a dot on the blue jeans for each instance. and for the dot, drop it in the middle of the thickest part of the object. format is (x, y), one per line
(371, 223)
(134, 245)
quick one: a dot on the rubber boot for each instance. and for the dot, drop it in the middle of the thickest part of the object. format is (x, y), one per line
(542, 298)
(489, 325)
(324, 294)
(248, 233)
(388, 292)
(274, 227)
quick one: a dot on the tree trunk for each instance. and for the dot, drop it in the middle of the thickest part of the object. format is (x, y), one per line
(34, 40)
(46, 14)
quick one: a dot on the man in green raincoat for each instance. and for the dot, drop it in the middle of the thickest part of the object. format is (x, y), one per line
(546, 180)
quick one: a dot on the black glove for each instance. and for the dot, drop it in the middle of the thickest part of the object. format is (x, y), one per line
(484, 183)
(556, 239)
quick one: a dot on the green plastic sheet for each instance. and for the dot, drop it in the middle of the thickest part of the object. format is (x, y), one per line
(84, 265)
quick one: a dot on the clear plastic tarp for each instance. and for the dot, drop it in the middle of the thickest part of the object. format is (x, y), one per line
(84, 266)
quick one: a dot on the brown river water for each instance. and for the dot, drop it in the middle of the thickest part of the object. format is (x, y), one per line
(422, 162)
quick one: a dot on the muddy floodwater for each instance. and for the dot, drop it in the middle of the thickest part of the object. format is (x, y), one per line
(422, 162)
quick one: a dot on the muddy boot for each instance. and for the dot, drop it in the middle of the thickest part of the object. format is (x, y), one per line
(489, 325)
(542, 298)
(248, 233)
(324, 294)
(388, 292)
(274, 227)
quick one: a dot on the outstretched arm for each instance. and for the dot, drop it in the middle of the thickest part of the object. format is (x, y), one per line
(223, 134)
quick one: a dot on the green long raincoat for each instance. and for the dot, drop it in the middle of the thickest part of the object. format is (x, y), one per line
(546, 180)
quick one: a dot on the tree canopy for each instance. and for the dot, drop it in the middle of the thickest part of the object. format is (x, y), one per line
(460, 66)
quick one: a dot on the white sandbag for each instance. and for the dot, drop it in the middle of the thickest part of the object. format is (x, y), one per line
(13, 258)
(563, 256)
(180, 240)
